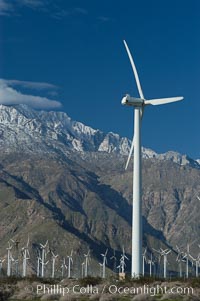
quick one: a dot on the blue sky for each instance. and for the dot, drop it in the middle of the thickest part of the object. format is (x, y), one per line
(71, 52)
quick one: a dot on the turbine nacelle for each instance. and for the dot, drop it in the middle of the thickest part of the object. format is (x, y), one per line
(132, 101)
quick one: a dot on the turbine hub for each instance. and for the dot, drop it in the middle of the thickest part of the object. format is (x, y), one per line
(132, 101)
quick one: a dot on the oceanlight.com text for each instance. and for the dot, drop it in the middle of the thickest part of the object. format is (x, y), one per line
(112, 289)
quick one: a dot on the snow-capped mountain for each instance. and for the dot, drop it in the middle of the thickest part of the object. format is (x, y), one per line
(25, 129)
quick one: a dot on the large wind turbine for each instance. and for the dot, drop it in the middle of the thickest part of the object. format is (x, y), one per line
(139, 104)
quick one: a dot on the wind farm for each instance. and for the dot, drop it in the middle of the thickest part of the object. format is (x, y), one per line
(99, 182)
(49, 264)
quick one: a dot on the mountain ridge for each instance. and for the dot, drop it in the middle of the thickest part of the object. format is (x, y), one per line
(47, 128)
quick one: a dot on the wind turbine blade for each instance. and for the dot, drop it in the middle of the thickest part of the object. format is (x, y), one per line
(130, 154)
(193, 242)
(162, 101)
(134, 71)
(27, 242)
(191, 257)
(156, 250)
(28, 254)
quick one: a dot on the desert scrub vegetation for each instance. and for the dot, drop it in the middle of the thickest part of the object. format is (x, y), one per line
(89, 280)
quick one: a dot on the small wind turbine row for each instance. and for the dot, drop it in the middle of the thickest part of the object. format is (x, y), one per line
(48, 262)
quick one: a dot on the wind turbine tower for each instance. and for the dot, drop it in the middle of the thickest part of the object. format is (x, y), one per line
(100, 269)
(150, 262)
(39, 259)
(70, 262)
(87, 260)
(104, 264)
(83, 269)
(186, 257)
(114, 258)
(43, 247)
(9, 259)
(25, 256)
(1, 266)
(53, 264)
(16, 259)
(63, 267)
(180, 259)
(139, 104)
(143, 261)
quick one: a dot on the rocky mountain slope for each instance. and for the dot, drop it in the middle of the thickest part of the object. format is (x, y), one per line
(64, 181)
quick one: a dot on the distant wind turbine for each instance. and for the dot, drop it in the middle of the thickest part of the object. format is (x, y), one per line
(43, 247)
(180, 259)
(63, 267)
(25, 256)
(70, 262)
(164, 253)
(196, 260)
(1, 266)
(39, 259)
(139, 104)
(9, 259)
(122, 263)
(53, 264)
(87, 261)
(143, 261)
(150, 262)
(104, 264)
(186, 256)
(114, 258)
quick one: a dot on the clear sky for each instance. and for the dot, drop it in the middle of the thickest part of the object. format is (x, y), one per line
(71, 52)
